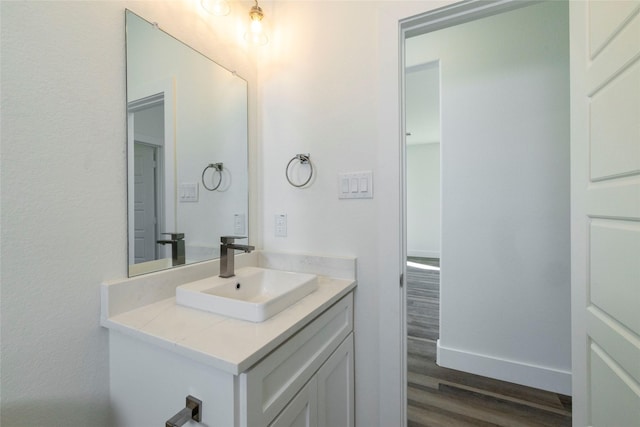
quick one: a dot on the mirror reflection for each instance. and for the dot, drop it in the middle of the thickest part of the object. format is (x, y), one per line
(187, 151)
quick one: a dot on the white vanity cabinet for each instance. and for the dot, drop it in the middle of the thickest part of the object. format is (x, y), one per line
(308, 380)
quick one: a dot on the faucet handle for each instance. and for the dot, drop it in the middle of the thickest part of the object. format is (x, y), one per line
(175, 236)
(230, 239)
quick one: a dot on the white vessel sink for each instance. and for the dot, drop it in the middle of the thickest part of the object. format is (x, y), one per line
(253, 294)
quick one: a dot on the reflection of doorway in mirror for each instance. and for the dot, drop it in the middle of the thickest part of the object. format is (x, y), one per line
(147, 124)
(145, 201)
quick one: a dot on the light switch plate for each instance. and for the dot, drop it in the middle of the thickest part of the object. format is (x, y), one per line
(188, 192)
(355, 185)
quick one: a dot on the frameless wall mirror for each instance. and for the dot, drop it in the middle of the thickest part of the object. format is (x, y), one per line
(186, 149)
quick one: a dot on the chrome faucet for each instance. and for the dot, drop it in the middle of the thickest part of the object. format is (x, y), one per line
(177, 247)
(226, 258)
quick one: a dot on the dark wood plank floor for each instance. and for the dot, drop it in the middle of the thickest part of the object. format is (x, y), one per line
(446, 397)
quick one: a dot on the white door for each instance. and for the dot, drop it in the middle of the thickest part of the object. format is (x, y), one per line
(145, 202)
(605, 162)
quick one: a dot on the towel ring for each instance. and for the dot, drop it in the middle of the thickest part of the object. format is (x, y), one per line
(217, 168)
(305, 159)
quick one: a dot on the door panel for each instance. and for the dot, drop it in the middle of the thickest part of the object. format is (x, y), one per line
(621, 346)
(619, 198)
(605, 20)
(614, 395)
(605, 152)
(615, 269)
(615, 127)
(616, 55)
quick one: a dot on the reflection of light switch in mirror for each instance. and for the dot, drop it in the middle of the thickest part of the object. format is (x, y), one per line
(188, 192)
(238, 224)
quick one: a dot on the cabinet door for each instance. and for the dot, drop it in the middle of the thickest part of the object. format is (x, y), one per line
(270, 384)
(335, 388)
(302, 411)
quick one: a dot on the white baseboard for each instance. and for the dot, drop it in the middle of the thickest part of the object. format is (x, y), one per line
(423, 254)
(506, 370)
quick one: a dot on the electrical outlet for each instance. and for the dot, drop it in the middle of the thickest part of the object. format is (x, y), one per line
(239, 225)
(281, 225)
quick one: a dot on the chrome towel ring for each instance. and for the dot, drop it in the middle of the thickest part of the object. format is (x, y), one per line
(305, 159)
(217, 168)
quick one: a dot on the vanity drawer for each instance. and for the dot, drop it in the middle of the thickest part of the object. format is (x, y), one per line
(274, 381)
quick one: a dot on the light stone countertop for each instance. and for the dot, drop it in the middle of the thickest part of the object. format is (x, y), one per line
(228, 344)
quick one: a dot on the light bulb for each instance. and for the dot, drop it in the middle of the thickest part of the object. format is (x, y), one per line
(256, 26)
(255, 34)
(216, 7)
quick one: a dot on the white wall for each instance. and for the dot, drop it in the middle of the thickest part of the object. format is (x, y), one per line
(317, 98)
(64, 193)
(329, 86)
(505, 290)
(423, 200)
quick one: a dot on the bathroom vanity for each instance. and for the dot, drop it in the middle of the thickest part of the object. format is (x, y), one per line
(292, 369)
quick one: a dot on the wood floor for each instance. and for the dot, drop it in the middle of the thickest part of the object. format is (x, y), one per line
(446, 397)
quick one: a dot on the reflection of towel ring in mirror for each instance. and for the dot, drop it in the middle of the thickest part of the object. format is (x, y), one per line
(218, 168)
(305, 159)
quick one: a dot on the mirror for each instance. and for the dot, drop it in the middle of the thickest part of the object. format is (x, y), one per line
(186, 148)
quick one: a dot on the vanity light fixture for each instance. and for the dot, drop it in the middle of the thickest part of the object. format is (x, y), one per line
(216, 7)
(256, 34)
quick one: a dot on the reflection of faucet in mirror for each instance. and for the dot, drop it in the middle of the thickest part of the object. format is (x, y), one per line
(226, 259)
(176, 241)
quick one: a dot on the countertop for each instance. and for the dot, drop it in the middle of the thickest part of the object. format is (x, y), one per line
(224, 343)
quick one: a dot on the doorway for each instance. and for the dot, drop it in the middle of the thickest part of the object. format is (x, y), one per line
(504, 246)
